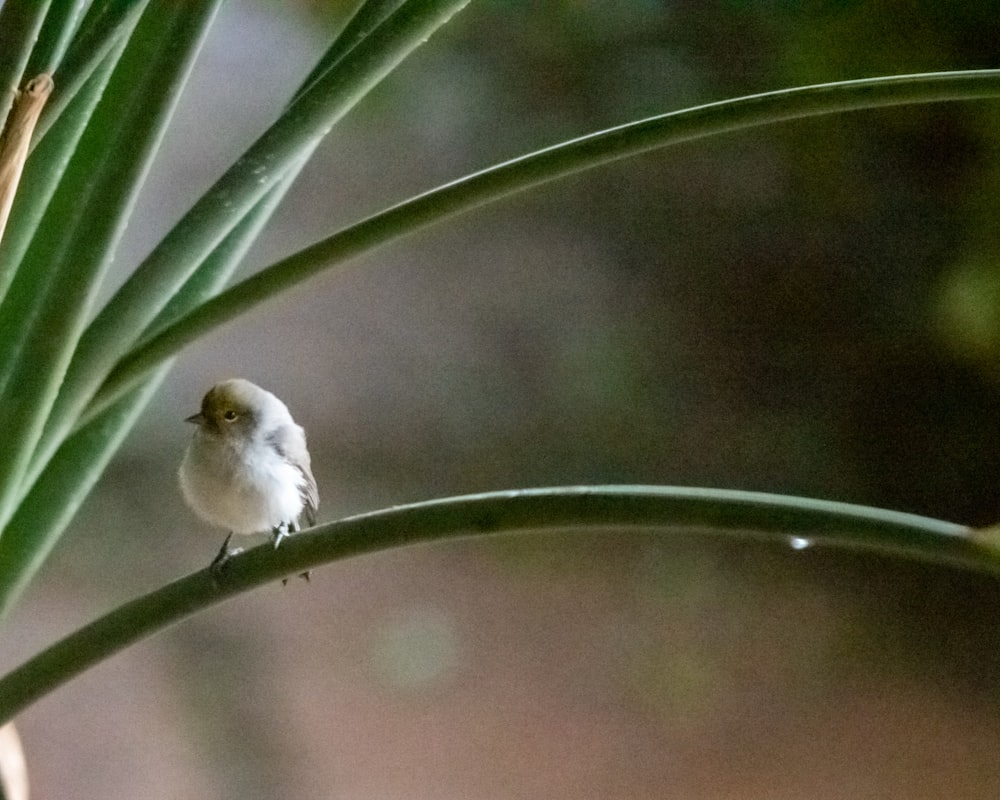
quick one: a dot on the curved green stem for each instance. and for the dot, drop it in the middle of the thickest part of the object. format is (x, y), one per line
(531, 170)
(742, 514)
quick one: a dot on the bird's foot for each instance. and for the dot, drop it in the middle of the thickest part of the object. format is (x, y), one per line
(218, 565)
(281, 532)
(278, 534)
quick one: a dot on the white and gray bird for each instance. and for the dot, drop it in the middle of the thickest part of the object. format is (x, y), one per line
(247, 468)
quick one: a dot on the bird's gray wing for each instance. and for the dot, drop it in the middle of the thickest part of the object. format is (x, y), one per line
(289, 441)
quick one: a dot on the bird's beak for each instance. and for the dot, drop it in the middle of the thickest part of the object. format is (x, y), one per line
(197, 419)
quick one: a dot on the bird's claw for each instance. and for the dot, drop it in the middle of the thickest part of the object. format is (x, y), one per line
(281, 532)
(304, 575)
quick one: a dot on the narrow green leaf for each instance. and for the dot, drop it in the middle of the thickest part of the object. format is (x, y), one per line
(55, 498)
(308, 119)
(789, 521)
(57, 31)
(220, 265)
(366, 19)
(532, 170)
(21, 291)
(105, 173)
(105, 28)
(20, 23)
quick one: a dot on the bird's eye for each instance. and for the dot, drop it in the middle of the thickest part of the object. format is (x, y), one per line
(230, 415)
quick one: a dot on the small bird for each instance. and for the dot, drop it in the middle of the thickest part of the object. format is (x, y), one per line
(247, 467)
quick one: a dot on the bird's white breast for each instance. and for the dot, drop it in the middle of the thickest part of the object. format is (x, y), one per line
(247, 488)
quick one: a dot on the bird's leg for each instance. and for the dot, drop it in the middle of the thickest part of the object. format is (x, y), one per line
(219, 562)
(278, 534)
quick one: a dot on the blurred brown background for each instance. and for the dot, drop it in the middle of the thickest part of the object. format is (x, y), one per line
(810, 309)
